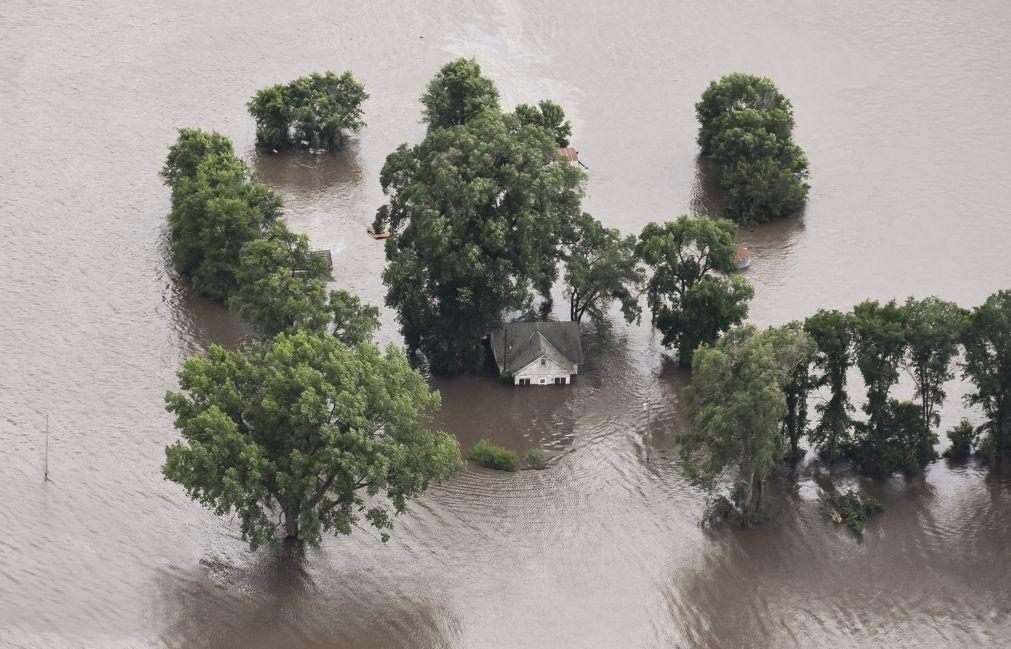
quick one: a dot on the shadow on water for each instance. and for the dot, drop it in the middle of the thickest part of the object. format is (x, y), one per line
(299, 172)
(290, 599)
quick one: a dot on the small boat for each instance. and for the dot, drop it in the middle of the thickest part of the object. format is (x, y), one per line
(742, 257)
(376, 235)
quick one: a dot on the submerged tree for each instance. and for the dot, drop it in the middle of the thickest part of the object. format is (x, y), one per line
(738, 92)
(794, 351)
(217, 207)
(689, 304)
(458, 94)
(736, 404)
(833, 337)
(320, 109)
(879, 345)
(548, 115)
(987, 364)
(478, 215)
(601, 267)
(306, 436)
(933, 328)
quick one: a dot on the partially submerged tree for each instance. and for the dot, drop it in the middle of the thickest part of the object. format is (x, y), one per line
(833, 337)
(478, 216)
(217, 207)
(548, 115)
(458, 94)
(319, 109)
(933, 328)
(601, 267)
(745, 125)
(736, 404)
(879, 346)
(306, 436)
(987, 364)
(689, 303)
(794, 351)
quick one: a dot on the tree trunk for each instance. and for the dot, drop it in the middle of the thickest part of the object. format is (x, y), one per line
(290, 523)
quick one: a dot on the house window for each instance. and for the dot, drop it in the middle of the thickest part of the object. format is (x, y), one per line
(559, 380)
(544, 362)
(542, 381)
(524, 382)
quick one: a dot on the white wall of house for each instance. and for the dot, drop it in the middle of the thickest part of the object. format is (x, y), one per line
(545, 373)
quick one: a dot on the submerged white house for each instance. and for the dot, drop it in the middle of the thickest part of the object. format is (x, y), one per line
(537, 353)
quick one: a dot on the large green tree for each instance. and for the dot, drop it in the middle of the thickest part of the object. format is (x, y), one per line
(306, 436)
(832, 332)
(217, 207)
(601, 267)
(736, 404)
(987, 364)
(320, 109)
(879, 346)
(933, 330)
(458, 94)
(478, 215)
(689, 302)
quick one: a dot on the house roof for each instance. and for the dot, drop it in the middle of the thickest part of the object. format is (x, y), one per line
(528, 341)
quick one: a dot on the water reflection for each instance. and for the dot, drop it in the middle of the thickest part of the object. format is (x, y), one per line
(302, 173)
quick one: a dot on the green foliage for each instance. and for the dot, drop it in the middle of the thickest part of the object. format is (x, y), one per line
(548, 115)
(879, 345)
(933, 328)
(832, 333)
(306, 436)
(738, 92)
(902, 444)
(736, 404)
(963, 438)
(478, 215)
(280, 285)
(746, 125)
(353, 321)
(217, 207)
(534, 457)
(321, 109)
(987, 364)
(457, 95)
(494, 457)
(601, 267)
(795, 351)
(851, 508)
(689, 304)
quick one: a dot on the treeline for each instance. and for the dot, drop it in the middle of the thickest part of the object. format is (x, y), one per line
(229, 238)
(750, 393)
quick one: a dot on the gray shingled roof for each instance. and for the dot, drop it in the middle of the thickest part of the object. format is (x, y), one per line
(529, 341)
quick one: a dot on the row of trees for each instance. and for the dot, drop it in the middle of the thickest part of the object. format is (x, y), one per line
(750, 392)
(312, 428)
(321, 110)
(745, 127)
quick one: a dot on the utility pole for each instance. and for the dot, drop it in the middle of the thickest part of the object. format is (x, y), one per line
(47, 449)
(649, 417)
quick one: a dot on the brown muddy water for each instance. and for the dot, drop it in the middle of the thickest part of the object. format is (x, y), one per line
(903, 108)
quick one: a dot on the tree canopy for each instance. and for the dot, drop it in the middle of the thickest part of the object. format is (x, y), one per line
(320, 109)
(478, 215)
(458, 94)
(746, 125)
(987, 364)
(548, 115)
(217, 207)
(832, 333)
(306, 436)
(690, 304)
(601, 267)
(736, 403)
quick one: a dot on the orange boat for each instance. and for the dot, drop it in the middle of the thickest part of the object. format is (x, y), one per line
(376, 235)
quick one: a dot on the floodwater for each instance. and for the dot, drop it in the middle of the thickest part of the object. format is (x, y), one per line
(903, 108)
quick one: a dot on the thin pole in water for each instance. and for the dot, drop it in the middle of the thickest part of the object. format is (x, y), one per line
(649, 419)
(47, 448)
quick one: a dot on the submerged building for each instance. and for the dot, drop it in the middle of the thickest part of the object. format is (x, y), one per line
(537, 353)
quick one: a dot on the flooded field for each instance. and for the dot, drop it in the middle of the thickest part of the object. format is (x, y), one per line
(903, 109)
